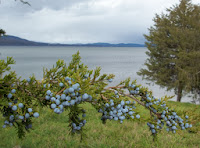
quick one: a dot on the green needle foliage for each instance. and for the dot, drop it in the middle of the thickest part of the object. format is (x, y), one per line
(65, 88)
(174, 50)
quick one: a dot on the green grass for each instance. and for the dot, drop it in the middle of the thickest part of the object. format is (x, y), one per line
(51, 131)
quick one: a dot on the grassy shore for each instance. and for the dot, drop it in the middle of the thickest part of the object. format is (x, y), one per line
(51, 131)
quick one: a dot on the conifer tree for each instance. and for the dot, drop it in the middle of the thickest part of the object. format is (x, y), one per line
(2, 32)
(174, 49)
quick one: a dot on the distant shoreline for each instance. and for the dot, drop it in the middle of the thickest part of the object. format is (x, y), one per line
(16, 41)
(64, 46)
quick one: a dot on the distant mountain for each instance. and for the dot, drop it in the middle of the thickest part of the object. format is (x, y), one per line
(9, 40)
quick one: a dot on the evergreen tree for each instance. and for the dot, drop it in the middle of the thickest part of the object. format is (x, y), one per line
(174, 49)
(2, 32)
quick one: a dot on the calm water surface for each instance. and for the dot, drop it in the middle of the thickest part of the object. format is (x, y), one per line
(123, 62)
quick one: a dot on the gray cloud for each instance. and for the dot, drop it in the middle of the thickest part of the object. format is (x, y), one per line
(81, 21)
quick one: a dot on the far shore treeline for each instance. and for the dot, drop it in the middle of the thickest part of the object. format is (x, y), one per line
(9, 40)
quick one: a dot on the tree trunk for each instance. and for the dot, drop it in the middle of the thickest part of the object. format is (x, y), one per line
(179, 96)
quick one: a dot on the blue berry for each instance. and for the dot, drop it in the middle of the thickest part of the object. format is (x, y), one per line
(133, 86)
(53, 99)
(186, 125)
(36, 115)
(132, 92)
(27, 115)
(10, 104)
(21, 117)
(57, 102)
(122, 103)
(153, 131)
(110, 80)
(47, 97)
(72, 102)
(53, 106)
(20, 105)
(173, 127)
(85, 96)
(73, 94)
(84, 121)
(68, 98)
(71, 90)
(67, 79)
(13, 91)
(61, 84)
(11, 118)
(75, 86)
(61, 107)
(30, 126)
(6, 122)
(152, 126)
(130, 113)
(63, 97)
(9, 96)
(30, 110)
(162, 116)
(48, 92)
(137, 116)
(14, 108)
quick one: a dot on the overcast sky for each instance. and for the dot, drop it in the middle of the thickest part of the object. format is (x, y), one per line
(81, 21)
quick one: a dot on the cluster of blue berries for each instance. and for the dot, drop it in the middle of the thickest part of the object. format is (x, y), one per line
(154, 127)
(171, 119)
(78, 127)
(133, 90)
(174, 120)
(69, 97)
(119, 111)
(12, 115)
(151, 101)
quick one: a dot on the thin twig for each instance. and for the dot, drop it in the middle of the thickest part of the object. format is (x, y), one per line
(102, 96)
(60, 91)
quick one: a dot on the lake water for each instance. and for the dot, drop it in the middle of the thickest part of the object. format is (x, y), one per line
(123, 62)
